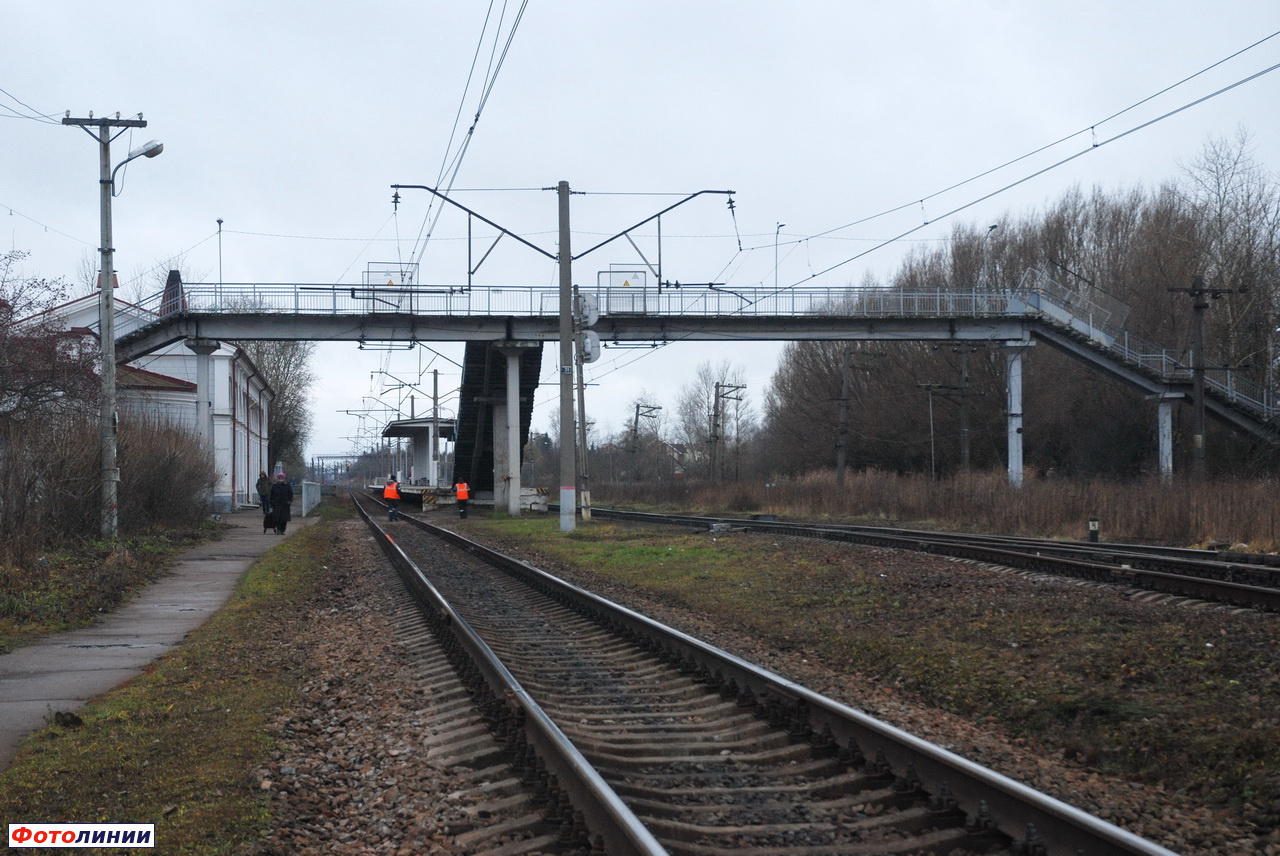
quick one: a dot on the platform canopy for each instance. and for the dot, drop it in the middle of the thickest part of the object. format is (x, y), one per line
(420, 427)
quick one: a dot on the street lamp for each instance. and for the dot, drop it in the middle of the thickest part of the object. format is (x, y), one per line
(106, 303)
(775, 253)
(984, 275)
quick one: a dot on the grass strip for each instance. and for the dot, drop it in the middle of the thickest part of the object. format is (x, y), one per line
(63, 590)
(177, 745)
(1181, 698)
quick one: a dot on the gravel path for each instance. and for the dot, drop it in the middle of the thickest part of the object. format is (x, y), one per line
(348, 779)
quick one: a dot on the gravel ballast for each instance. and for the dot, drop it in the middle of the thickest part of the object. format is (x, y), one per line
(348, 778)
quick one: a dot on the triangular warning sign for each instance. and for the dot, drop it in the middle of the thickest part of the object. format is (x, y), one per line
(626, 283)
(391, 282)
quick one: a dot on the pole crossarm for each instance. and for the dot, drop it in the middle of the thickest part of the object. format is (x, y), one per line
(649, 219)
(478, 216)
(554, 256)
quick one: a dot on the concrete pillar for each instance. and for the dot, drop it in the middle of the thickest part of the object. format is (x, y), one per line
(204, 389)
(506, 432)
(513, 431)
(501, 453)
(1164, 422)
(1164, 430)
(1013, 358)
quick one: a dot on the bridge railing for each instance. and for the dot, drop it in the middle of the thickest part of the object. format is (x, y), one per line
(1090, 312)
(539, 301)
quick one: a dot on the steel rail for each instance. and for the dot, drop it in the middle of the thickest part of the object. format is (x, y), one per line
(1230, 561)
(1032, 555)
(989, 799)
(604, 812)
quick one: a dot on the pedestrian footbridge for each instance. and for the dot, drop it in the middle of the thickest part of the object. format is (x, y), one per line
(505, 326)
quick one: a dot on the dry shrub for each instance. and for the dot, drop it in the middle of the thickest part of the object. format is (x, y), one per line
(1231, 511)
(48, 477)
(50, 482)
(166, 476)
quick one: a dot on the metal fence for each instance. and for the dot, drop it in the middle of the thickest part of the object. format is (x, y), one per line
(258, 298)
(310, 496)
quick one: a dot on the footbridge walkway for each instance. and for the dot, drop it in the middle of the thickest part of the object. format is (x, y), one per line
(1087, 325)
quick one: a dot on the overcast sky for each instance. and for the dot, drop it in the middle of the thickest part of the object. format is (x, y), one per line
(290, 120)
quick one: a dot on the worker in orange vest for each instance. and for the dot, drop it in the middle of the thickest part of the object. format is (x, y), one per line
(391, 493)
(463, 493)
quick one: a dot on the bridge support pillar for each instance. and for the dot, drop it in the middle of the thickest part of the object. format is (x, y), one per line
(506, 435)
(502, 458)
(1013, 359)
(204, 389)
(1164, 420)
(1164, 430)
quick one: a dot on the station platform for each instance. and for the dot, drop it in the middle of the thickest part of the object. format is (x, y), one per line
(63, 671)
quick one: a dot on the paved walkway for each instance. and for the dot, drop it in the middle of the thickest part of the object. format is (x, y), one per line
(63, 671)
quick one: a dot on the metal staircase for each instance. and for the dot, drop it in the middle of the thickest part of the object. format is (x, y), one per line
(1088, 327)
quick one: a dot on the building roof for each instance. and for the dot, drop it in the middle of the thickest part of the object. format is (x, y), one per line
(135, 378)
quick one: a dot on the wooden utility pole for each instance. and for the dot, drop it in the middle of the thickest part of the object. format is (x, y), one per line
(714, 439)
(724, 392)
(942, 389)
(107, 418)
(1198, 306)
(842, 425)
(1200, 293)
(646, 410)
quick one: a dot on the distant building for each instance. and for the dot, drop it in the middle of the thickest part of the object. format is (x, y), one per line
(163, 384)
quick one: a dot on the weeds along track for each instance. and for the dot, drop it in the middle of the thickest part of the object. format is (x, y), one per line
(1239, 579)
(685, 749)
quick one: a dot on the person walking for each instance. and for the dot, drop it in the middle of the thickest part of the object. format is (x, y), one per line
(463, 493)
(281, 498)
(263, 487)
(391, 493)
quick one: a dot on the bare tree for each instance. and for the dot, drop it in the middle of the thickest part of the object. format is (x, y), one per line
(44, 367)
(1222, 221)
(286, 367)
(714, 417)
(1236, 204)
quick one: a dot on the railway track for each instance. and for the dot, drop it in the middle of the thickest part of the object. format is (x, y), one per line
(656, 742)
(1240, 579)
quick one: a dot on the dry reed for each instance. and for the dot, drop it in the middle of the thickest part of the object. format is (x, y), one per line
(1183, 512)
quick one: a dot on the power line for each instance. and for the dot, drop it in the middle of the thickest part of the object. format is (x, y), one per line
(1023, 180)
(1091, 128)
(883, 243)
(15, 212)
(34, 115)
(449, 167)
